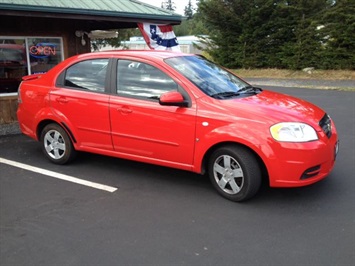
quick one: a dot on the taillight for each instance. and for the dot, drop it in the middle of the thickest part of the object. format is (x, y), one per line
(19, 99)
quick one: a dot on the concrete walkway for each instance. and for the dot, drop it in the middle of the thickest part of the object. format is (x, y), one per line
(304, 83)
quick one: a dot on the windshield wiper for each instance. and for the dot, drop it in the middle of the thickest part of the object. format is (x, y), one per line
(225, 94)
(249, 89)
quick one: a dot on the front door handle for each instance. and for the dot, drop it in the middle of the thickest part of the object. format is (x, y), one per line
(124, 110)
(62, 100)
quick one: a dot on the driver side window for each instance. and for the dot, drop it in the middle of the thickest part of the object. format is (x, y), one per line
(140, 80)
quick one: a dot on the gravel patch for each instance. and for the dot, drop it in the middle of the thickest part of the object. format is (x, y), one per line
(9, 129)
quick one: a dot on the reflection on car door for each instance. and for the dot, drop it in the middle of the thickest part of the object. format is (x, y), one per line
(141, 126)
(82, 104)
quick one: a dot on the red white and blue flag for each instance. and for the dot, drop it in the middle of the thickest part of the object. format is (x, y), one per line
(159, 37)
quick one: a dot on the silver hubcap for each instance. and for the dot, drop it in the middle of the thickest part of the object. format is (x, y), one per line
(228, 174)
(54, 144)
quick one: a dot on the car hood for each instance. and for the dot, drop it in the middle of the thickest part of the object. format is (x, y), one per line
(268, 107)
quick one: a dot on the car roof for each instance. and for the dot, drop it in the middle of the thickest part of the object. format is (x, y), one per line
(136, 53)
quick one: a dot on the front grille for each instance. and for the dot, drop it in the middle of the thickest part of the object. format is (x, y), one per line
(311, 172)
(326, 124)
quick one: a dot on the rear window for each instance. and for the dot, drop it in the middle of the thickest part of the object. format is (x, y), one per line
(87, 75)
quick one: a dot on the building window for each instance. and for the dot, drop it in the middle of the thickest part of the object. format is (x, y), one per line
(44, 53)
(24, 56)
(13, 64)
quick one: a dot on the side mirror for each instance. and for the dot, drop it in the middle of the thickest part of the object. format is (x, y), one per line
(173, 98)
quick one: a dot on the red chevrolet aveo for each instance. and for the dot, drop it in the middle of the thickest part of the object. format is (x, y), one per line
(181, 111)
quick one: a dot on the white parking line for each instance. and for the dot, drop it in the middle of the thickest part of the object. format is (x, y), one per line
(57, 175)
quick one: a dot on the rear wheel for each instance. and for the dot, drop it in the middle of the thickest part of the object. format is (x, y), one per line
(57, 145)
(234, 172)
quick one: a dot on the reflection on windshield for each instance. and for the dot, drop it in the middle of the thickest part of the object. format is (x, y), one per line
(207, 76)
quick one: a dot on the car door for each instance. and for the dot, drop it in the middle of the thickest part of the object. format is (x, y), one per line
(81, 102)
(143, 128)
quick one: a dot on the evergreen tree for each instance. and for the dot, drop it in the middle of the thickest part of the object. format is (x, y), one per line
(194, 26)
(280, 33)
(168, 5)
(263, 33)
(237, 30)
(188, 10)
(302, 48)
(191, 27)
(338, 31)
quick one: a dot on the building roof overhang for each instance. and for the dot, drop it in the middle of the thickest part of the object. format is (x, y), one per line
(106, 11)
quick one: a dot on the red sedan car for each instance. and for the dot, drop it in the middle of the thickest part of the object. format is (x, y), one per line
(181, 111)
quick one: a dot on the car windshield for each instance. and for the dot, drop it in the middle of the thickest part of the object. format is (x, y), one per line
(208, 77)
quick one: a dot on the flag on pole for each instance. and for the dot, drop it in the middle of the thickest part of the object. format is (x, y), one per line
(159, 37)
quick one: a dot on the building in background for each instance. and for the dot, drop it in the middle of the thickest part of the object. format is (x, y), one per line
(37, 35)
(188, 44)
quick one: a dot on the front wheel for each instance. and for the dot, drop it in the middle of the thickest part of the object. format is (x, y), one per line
(234, 172)
(57, 145)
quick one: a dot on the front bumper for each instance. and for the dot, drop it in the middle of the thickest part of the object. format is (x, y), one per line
(302, 164)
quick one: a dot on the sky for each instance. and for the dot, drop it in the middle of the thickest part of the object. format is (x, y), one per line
(180, 4)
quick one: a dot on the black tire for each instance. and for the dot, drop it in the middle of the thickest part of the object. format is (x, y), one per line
(235, 172)
(56, 144)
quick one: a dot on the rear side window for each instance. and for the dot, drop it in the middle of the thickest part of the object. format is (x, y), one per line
(87, 75)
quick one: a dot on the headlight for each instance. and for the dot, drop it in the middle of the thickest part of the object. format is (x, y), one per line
(293, 132)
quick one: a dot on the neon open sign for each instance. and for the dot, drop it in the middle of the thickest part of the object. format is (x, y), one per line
(42, 50)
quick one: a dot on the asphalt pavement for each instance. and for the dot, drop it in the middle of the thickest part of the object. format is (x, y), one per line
(162, 216)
